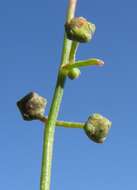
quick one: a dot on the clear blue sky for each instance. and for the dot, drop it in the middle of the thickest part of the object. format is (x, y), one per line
(30, 47)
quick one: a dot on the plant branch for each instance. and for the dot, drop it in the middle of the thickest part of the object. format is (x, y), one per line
(66, 124)
(83, 63)
(89, 62)
(50, 126)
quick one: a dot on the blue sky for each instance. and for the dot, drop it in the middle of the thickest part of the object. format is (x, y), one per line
(31, 35)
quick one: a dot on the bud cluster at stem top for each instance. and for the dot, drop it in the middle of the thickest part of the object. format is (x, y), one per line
(79, 29)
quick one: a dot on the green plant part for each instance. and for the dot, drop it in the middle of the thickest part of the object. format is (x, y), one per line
(74, 73)
(79, 29)
(32, 106)
(97, 128)
(84, 63)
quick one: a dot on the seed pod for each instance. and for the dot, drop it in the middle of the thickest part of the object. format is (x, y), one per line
(97, 128)
(32, 106)
(79, 29)
(74, 73)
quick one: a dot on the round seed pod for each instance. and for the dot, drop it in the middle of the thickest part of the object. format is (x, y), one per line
(74, 73)
(97, 128)
(32, 106)
(79, 29)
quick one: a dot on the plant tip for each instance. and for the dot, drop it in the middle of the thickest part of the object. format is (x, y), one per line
(100, 62)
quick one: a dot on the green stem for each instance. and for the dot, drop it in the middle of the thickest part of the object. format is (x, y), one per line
(89, 62)
(66, 124)
(73, 50)
(69, 124)
(83, 63)
(50, 126)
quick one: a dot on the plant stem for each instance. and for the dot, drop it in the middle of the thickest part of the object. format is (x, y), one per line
(83, 63)
(89, 62)
(73, 50)
(66, 124)
(69, 124)
(50, 126)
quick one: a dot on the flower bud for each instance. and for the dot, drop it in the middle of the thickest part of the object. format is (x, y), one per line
(97, 128)
(74, 73)
(32, 106)
(79, 29)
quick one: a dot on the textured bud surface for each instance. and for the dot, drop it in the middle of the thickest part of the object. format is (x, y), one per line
(32, 106)
(79, 29)
(97, 128)
(74, 73)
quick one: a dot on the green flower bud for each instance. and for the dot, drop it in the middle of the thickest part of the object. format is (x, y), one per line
(74, 73)
(97, 128)
(32, 106)
(79, 29)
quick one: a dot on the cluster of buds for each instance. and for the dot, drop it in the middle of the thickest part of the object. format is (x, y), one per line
(79, 30)
(32, 106)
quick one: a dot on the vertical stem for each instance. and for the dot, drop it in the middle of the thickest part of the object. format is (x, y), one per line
(50, 127)
(73, 50)
(71, 9)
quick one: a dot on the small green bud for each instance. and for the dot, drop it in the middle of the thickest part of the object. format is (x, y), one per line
(79, 29)
(32, 106)
(74, 73)
(97, 128)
